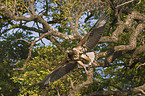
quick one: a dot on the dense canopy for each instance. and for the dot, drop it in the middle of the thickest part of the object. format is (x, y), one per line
(35, 34)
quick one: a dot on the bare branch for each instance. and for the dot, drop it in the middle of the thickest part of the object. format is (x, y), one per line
(24, 40)
(14, 7)
(78, 15)
(139, 1)
(31, 3)
(30, 49)
(71, 22)
(39, 19)
(140, 65)
(138, 89)
(55, 42)
(137, 51)
(58, 94)
(115, 35)
(30, 28)
(132, 39)
(61, 35)
(27, 9)
(121, 27)
(124, 3)
(72, 84)
(142, 91)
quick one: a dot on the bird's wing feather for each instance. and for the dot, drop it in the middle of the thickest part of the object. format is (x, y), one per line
(93, 36)
(58, 73)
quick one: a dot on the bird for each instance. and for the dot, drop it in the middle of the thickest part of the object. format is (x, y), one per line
(80, 56)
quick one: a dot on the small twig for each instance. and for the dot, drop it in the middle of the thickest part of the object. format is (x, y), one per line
(6, 3)
(24, 40)
(111, 4)
(14, 7)
(58, 94)
(31, 5)
(142, 91)
(140, 65)
(72, 84)
(124, 3)
(27, 9)
(139, 1)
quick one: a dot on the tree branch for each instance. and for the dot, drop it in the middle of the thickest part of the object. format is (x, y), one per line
(36, 17)
(132, 39)
(31, 3)
(30, 29)
(89, 80)
(115, 35)
(140, 65)
(128, 23)
(30, 49)
(24, 40)
(55, 42)
(137, 51)
(124, 3)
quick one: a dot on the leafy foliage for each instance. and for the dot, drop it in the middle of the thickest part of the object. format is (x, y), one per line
(11, 52)
(70, 18)
(38, 68)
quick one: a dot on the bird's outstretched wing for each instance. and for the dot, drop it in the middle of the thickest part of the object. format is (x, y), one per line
(89, 42)
(56, 74)
(93, 36)
(62, 69)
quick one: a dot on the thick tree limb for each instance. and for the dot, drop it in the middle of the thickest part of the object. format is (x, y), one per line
(37, 18)
(119, 30)
(137, 51)
(132, 39)
(118, 50)
(115, 35)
